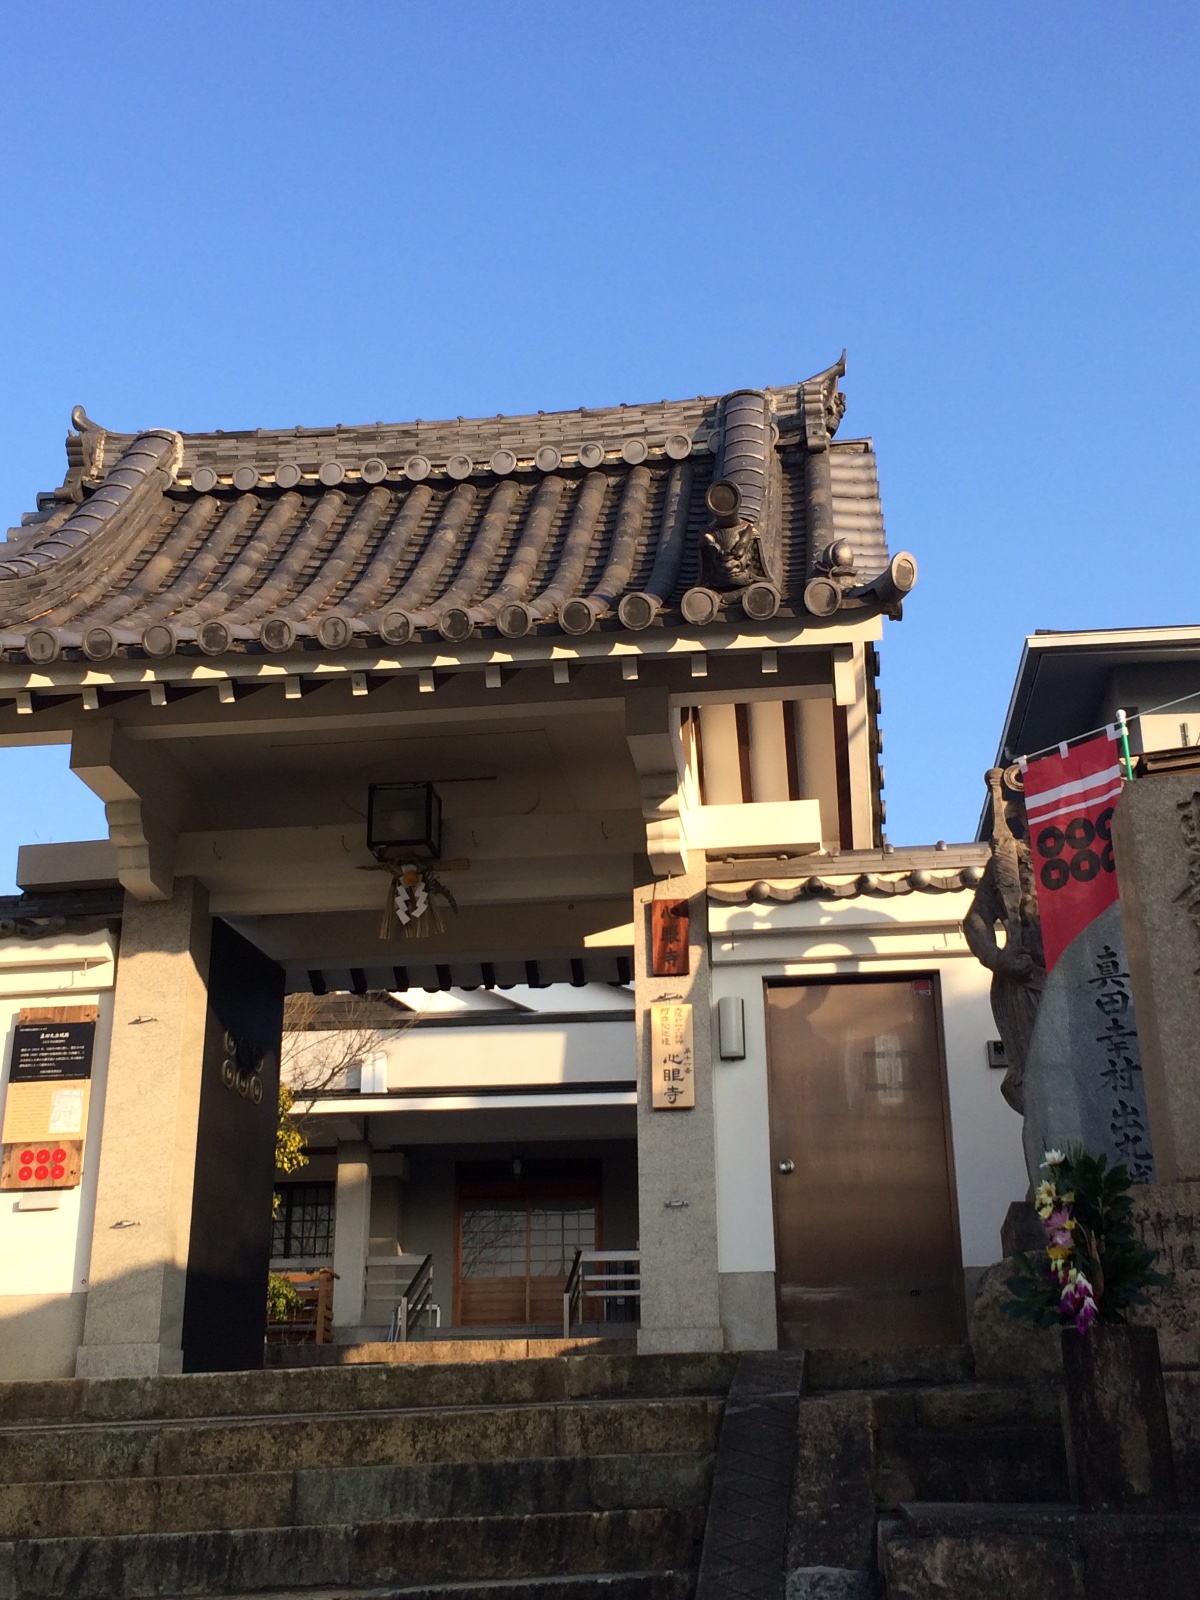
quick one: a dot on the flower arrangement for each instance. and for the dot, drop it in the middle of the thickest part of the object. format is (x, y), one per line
(1095, 1265)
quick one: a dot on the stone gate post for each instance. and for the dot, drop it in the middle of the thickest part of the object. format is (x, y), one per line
(134, 1321)
(677, 1180)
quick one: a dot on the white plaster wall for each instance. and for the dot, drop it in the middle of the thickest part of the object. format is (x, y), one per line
(915, 934)
(524, 1055)
(46, 1253)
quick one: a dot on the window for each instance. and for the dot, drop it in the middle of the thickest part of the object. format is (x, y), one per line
(303, 1221)
(509, 1241)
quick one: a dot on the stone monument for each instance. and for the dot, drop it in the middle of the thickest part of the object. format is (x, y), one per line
(1070, 1036)
(1156, 837)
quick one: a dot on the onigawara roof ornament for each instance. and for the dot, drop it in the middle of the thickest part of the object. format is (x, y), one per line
(675, 515)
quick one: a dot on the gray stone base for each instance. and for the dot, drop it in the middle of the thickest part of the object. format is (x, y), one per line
(1006, 1350)
(40, 1334)
(127, 1360)
(678, 1341)
(748, 1313)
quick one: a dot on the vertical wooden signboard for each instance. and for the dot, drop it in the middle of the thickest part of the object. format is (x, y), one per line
(669, 938)
(672, 1058)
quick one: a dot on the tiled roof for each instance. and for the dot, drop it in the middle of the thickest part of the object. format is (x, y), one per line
(561, 522)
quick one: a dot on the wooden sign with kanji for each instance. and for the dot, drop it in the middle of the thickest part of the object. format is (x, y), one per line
(669, 938)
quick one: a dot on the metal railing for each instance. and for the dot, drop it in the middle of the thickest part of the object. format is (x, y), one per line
(617, 1281)
(405, 1283)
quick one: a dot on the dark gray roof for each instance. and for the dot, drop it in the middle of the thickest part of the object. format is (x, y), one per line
(309, 538)
(923, 869)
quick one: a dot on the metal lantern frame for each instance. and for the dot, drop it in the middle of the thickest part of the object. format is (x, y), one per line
(425, 845)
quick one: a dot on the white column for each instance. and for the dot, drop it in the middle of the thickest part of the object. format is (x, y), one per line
(817, 760)
(768, 751)
(719, 756)
(351, 1234)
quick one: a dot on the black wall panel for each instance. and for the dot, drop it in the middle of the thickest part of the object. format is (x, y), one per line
(224, 1314)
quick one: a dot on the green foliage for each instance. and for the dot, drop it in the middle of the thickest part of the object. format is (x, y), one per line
(289, 1141)
(290, 1154)
(1107, 1245)
(1035, 1293)
(283, 1301)
(1105, 1249)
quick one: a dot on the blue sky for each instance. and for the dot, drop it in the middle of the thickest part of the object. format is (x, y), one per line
(232, 215)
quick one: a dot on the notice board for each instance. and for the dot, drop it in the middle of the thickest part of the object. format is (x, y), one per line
(46, 1106)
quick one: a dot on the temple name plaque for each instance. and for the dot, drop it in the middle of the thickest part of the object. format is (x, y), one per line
(672, 1058)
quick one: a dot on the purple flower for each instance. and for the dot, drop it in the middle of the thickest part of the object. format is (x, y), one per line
(1077, 1301)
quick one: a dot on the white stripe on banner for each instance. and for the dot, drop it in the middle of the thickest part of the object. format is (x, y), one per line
(1078, 786)
(1070, 807)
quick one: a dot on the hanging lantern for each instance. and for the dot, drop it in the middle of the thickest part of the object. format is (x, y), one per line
(404, 822)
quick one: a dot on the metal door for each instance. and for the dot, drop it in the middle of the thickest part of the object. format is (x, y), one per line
(866, 1232)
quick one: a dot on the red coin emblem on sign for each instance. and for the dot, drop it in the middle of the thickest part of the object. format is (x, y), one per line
(41, 1172)
(59, 1155)
(24, 1174)
(26, 1157)
(43, 1155)
(57, 1170)
(1081, 850)
(1070, 797)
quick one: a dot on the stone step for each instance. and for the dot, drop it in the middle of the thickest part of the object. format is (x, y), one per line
(881, 1369)
(186, 1447)
(330, 1495)
(406, 1553)
(669, 1585)
(976, 1552)
(467, 1345)
(363, 1387)
(1010, 1464)
(965, 1405)
(969, 1442)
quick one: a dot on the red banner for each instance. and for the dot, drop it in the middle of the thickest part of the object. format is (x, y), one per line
(1069, 799)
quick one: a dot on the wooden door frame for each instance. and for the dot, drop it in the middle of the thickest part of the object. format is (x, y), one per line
(589, 1188)
(906, 975)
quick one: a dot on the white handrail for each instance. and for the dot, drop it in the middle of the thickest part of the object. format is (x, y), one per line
(615, 1285)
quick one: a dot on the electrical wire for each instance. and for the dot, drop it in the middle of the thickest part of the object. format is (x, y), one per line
(1130, 716)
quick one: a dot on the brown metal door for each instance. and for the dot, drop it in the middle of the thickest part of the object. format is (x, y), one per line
(866, 1232)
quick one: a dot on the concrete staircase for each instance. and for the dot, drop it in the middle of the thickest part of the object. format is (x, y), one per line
(564, 1478)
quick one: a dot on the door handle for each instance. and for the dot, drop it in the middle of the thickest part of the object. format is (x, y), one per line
(787, 1166)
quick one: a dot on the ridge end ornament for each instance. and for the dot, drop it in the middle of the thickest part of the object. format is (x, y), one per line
(731, 554)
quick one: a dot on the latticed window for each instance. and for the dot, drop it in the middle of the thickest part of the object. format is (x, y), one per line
(512, 1240)
(555, 1234)
(303, 1221)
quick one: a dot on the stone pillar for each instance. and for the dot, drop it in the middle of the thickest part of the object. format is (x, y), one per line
(677, 1178)
(351, 1233)
(1156, 837)
(134, 1320)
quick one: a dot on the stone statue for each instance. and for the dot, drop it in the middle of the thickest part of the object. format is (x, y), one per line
(1007, 897)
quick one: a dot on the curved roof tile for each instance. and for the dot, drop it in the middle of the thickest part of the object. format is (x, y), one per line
(153, 531)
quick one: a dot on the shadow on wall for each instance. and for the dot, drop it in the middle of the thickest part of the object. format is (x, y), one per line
(40, 1334)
